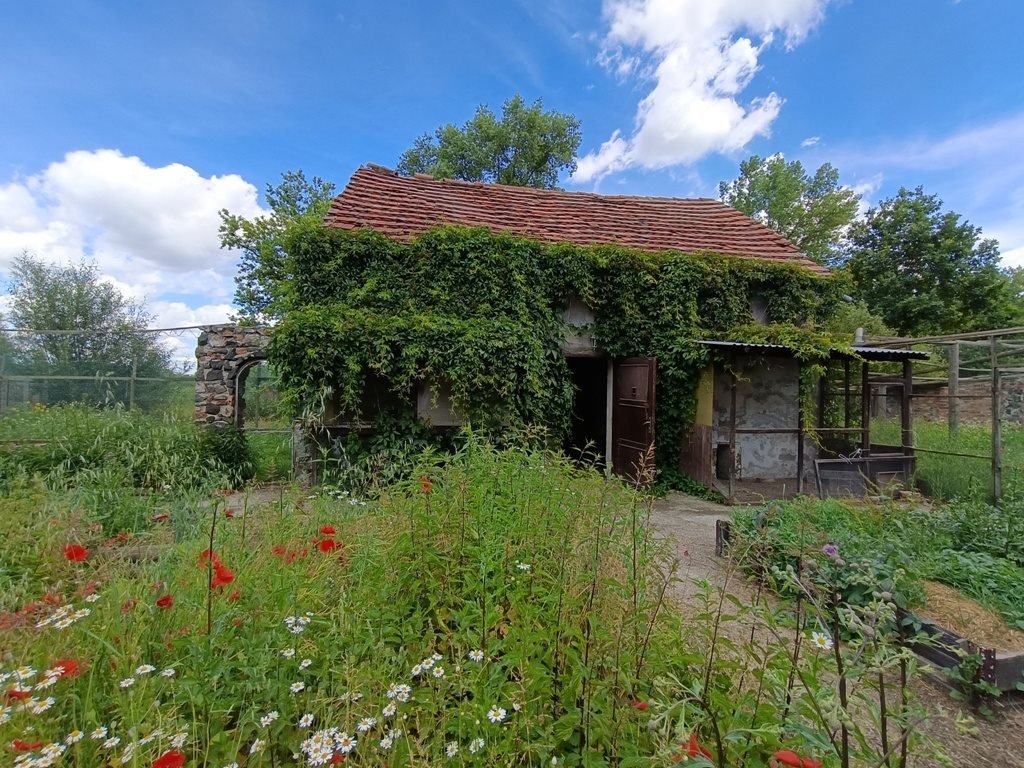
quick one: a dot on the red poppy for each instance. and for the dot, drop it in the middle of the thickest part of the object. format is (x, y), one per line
(165, 601)
(25, 746)
(123, 537)
(693, 749)
(233, 597)
(237, 621)
(789, 758)
(425, 484)
(18, 694)
(51, 599)
(640, 706)
(171, 759)
(222, 575)
(76, 553)
(129, 604)
(278, 550)
(162, 516)
(229, 512)
(206, 555)
(289, 557)
(328, 530)
(338, 759)
(90, 587)
(327, 545)
(68, 667)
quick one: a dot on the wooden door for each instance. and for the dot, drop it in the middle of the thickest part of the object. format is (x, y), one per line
(633, 417)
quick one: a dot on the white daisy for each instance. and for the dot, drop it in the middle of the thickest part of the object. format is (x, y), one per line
(257, 746)
(386, 743)
(24, 673)
(38, 707)
(74, 737)
(63, 623)
(402, 692)
(345, 743)
(99, 733)
(523, 566)
(268, 718)
(389, 709)
(5, 714)
(366, 724)
(417, 670)
(438, 672)
(305, 663)
(169, 672)
(128, 682)
(288, 652)
(145, 669)
(93, 597)
(475, 746)
(476, 655)
(112, 742)
(297, 687)
(306, 720)
(821, 641)
(496, 714)
(451, 749)
(178, 740)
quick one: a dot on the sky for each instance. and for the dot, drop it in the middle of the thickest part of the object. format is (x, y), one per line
(127, 126)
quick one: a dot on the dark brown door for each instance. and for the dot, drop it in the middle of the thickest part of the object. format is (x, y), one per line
(633, 418)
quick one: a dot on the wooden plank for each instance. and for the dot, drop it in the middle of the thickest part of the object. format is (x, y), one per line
(732, 433)
(953, 389)
(906, 428)
(997, 440)
(865, 406)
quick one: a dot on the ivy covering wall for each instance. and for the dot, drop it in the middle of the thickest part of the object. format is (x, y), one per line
(483, 312)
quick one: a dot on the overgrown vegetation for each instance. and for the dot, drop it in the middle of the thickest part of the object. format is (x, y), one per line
(481, 314)
(973, 547)
(499, 608)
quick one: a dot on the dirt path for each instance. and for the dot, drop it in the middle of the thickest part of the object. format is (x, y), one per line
(999, 742)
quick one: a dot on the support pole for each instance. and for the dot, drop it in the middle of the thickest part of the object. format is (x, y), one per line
(131, 384)
(865, 407)
(822, 396)
(905, 415)
(997, 442)
(846, 394)
(953, 389)
(799, 435)
(732, 432)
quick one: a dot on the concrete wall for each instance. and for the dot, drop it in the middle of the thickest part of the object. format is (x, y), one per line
(767, 397)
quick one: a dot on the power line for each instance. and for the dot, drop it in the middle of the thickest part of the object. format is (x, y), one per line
(82, 332)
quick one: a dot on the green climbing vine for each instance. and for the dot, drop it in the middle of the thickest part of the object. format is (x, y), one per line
(483, 313)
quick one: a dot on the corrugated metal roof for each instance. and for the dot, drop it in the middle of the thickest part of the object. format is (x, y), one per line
(878, 354)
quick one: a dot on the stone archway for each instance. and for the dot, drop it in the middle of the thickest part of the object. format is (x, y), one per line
(224, 354)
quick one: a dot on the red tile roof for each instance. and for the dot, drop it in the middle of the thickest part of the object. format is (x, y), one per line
(404, 206)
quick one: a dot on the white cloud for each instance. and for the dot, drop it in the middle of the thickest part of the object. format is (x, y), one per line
(151, 230)
(811, 141)
(701, 56)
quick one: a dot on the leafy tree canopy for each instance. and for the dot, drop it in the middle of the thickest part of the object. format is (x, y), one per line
(525, 147)
(262, 279)
(926, 271)
(814, 212)
(73, 298)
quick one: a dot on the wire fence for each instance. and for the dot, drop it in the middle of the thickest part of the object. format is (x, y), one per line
(149, 370)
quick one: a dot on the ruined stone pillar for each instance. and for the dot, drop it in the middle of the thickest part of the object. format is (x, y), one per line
(223, 352)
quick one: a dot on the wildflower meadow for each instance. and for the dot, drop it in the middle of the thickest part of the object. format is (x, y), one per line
(496, 607)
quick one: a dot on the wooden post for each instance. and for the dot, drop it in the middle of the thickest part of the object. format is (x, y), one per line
(3, 385)
(822, 396)
(799, 434)
(131, 384)
(846, 393)
(905, 413)
(953, 389)
(997, 442)
(732, 431)
(865, 407)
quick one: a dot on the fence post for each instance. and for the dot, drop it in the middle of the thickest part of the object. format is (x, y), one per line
(997, 442)
(3, 385)
(131, 384)
(953, 389)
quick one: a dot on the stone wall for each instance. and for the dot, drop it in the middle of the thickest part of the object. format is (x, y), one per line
(975, 408)
(224, 354)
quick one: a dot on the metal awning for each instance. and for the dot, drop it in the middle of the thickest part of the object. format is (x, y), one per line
(879, 354)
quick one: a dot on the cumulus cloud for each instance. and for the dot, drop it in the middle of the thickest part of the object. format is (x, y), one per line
(151, 230)
(700, 57)
(811, 141)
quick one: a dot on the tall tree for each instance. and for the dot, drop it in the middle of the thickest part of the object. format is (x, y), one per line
(927, 271)
(104, 326)
(526, 146)
(262, 267)
(814, 212)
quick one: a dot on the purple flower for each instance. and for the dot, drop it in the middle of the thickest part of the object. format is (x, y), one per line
(831, 550)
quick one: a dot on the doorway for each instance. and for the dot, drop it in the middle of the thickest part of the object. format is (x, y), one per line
(587, 440)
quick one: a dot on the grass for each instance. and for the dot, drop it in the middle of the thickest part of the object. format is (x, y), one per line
(955, 477)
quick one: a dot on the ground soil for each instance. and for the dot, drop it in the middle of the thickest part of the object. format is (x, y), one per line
(953, 611)
(998, 741)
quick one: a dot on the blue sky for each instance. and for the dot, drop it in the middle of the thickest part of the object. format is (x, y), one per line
(128, 125)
